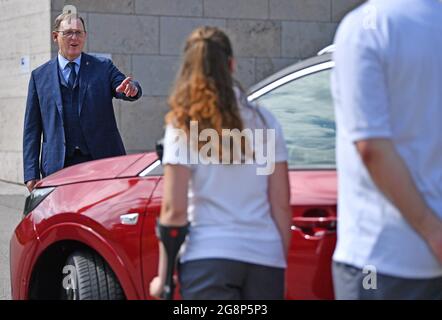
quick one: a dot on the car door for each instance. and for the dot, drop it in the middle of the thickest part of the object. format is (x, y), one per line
(303, 107)
(302, 103)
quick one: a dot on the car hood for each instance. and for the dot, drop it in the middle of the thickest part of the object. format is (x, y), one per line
(103, 169)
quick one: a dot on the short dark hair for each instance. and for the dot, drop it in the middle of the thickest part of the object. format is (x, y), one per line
(66, 16)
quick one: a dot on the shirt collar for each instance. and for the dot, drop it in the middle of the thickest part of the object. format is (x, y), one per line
(62, 61)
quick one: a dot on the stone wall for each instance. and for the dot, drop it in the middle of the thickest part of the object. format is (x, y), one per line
(144, 39)
(24, 30)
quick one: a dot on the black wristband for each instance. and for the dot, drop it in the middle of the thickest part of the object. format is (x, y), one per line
(172, 237)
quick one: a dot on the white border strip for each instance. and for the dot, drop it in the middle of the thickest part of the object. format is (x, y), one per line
(290, 77)
(150, 168)
(329, 49)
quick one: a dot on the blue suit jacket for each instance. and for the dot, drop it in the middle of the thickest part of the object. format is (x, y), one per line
(98, 79)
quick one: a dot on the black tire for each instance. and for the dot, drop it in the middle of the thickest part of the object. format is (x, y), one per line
(90, 278)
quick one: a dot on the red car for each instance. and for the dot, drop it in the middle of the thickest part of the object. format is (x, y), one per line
(88, 230)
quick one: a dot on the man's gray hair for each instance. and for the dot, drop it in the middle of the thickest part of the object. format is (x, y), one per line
(67, 16)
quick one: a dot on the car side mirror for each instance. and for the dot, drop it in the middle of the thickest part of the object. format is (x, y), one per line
(159, 148)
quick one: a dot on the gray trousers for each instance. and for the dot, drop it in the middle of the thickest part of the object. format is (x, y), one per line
(222, 279)
(350, 283)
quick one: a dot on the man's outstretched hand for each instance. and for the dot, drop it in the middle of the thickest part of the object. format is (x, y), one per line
(128, 88)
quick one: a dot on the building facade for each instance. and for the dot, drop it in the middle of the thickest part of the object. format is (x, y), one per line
(144, 38)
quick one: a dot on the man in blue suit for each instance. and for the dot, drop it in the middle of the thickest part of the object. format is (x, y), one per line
(70, 103)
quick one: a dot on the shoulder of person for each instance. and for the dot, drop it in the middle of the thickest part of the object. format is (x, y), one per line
(43, 68)
(365, 19)
(270, 119)
(362, 29)
(172, 124)
(264, 113)
(97, 59)
(355, 15)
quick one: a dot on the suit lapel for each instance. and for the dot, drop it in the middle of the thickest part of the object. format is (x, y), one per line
(56, 86)
(84, 76)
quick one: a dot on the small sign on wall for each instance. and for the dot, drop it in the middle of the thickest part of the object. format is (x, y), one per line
(25, 66)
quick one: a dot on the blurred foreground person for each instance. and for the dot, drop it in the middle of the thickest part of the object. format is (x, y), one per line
(388, 101)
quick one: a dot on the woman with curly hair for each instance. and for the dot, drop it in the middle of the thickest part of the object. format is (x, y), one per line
(238, 221)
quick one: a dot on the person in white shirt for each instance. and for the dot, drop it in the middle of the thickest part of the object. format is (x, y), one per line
(388, 103)
(239, 219)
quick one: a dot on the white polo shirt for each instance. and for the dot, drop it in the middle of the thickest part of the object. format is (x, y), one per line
(228, 204)
(387, 83)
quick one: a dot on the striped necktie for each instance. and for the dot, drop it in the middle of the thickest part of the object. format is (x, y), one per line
(72, 75)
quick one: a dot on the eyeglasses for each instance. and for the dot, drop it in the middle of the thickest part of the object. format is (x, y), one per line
(71, 33)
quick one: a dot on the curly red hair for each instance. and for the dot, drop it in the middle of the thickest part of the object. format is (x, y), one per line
(203, 89)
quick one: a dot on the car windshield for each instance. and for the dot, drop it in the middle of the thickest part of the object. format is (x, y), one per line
(305, 110)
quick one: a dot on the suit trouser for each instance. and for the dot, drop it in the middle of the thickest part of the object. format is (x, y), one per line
(349, 284)
(223, 279)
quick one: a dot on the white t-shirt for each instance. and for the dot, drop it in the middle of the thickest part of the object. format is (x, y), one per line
(228, 204)
(388, 84)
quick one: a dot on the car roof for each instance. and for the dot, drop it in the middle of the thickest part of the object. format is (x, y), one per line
(289, 70)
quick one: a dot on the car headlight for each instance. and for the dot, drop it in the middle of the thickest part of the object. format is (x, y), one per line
(34, 199)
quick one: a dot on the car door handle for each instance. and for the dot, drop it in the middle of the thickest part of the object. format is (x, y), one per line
(319, 222)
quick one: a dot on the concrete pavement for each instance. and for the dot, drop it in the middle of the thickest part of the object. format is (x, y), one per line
(12, 197)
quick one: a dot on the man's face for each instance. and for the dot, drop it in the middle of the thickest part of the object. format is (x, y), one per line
(70, 38)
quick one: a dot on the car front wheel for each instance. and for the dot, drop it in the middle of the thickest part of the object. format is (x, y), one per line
(86, 276)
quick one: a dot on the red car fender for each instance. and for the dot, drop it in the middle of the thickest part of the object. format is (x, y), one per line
(23, 253)
(81, 233)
